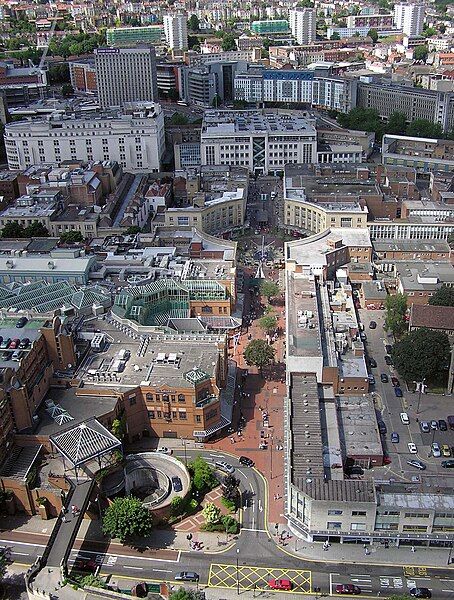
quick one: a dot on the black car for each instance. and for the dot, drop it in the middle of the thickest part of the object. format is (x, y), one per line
(22, 322)
(388, 360)
(382, 427)
(443, 426)
(388, 348)
(176, 484)
(372, 363)
(420, 592)
(372, 325)
(245, 461)
(384, 378)
(187, 576)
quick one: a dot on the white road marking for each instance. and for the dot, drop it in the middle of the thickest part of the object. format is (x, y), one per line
(137, 557)
(252, 529)
(260, 506)
(23, 543)
(251, 486)
(161, 571)
(136, 568)
(21, 553)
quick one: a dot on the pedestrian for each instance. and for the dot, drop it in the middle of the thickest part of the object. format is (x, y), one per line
(413, 549)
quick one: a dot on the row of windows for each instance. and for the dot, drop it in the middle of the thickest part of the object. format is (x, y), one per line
(158, 414)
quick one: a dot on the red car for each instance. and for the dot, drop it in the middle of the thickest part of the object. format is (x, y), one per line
(347, 588)
(395, 382)
(85, 564)
(280, 584)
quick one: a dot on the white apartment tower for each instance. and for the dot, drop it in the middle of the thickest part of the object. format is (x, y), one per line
(126, 75)
(409, 18)
(303, 24)
(176, 31)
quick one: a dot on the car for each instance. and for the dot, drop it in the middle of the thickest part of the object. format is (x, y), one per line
(245, 461)
(447, 464)
(442, 425)
(424, 426)
(176, 484)
(280, 584)
(395, 382)
(6, 355)
(420, 592)
(417, 464)
(398, 392)
(22, 322)
(24, 343)
(363, 336)
(164, 450)
(384, 378)
(14, 344)
(382, 427)
(412, 448)
(187, 576)
(85, 564)
(434, 425)
(17, 355)
(436, 450)
(347, 588)
(224, 466)
(354, 470)
(388, 360)
(5, 343)
(372, 325)
(372, 363)
(371, 379)
(450, 419)
(404, 417)
(395, 437)
(388, 348)
(446, 450)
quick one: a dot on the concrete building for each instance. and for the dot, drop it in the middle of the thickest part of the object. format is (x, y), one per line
(409, 17)
(415, 228)
(423, 154)
(176, 31)
(82, 74)
(266, 27)
(373, 21)
(129, 36)
(21, 85)
(135, 77)
(261, 141)
(303, 24)
(134, 137)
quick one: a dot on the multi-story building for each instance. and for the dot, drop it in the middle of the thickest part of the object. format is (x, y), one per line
(334, 93)
(409, 17)
(134, 137)
(82, 74)
(176, 31)
(414, 228)
(287, 86)
(129, 36)
(359, 31)
(415, 103)
(370, 21)
(20, 85)
(422, 154)
(135, 75)
(266, 27)
(303, 24)
(261, 141)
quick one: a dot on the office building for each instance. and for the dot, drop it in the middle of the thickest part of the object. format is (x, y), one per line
(423, 154)
(82, 75)
(409, 17)
(261, 141)
(20, 85)
(134, 137)
(266, 27)
(125, 75)
(303, 24)
(176, 31)
(374, 21)
(129, 36)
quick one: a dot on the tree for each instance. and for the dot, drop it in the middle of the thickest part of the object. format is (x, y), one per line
(211, 513)
(373, 34)
(335, 36)
(421, 354)
(36, 229)
(67, 90)
(420, 53)
(230, 524)
(59, 74)
(231, 489)
(133, 230)
(444, 296)
(362, 119)
(127, 518)
(203, 477)
(429, 32)
(216, 101)
(177, 506)
(424, 128)
(269, 289)
(397, 123)
(228, 42)
(13, 230)
(193, 41)
(259, 353)
(179, 119)
(183, 594)
(71, 237)
(173, 95)
(119, 427)
(396, 308)
(268, 323)
(193, 23)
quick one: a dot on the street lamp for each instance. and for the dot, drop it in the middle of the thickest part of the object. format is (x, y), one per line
(237, 573)
(421, 386)
(183, 440)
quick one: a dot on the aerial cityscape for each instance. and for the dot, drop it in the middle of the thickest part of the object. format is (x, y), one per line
(226, 299)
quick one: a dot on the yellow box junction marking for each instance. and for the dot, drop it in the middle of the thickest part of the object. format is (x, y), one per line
(256, 578)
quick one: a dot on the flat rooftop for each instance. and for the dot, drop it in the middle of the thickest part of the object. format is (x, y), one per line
(358, 424)
(424, 276)
(410, 246)
(254, 121)
(302, 318)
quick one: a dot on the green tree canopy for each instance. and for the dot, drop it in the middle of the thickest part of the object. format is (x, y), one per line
(183, 594)
(397, 123)
(67, 90)
(373, 34)
(13, 230)
(203, 477)
(424, 128)
(211, 513)
(178, 119)
(259, 353)
(193, 23)
(444, 296)
(421, 354)
(228, 42)
(127, 518)
(177, 506)
(420, 52)
(133, 230)
(36, 229)
(335, 36)
(71, 237)
(362, 119)
(396, 308)
(269, 289)
(268, 323)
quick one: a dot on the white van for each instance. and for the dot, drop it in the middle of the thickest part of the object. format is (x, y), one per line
(404, 418)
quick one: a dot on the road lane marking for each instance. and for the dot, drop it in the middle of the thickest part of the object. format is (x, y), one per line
(253, 529)
(14, 542)
(162, 571)
(21, 553)
(136, 568)
(134, 557)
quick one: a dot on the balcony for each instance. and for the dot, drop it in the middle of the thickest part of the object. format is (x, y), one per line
(206, 401)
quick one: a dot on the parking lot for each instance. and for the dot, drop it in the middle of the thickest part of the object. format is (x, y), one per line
(431, 407)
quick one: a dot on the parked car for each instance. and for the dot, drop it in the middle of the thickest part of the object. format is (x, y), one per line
(398, 392)
(424, 426)
(280, 584)
(245, 461)
(420, 592)
(187, 576)
(176, 484)
(363, 336)
(417, 464)
(372, 325)
(164, 450)
(395, 437)
(14, 344)
(384, 378)
(388, 348)
(382, 427)
(434, 425)
(371, 379)
(447, 464)
(395, 382)
(404, 417)
(22, 322)
(446, 450)
(85, 564)
(6, 355)
(24, 343)
(17, 355)
(442, 425)
(388, 360)
(412, 448)
(7, 341)
(450, 418)
(436, 450)
(224, 466)
(347, 588)
(372, 363)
